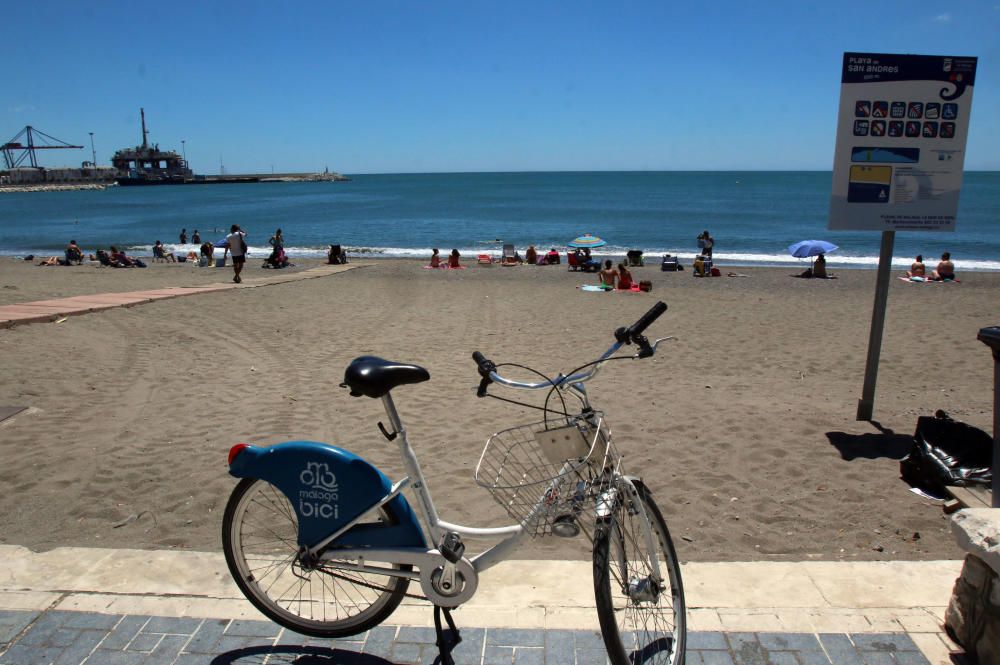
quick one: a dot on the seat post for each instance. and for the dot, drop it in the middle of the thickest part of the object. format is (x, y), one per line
(412, 466)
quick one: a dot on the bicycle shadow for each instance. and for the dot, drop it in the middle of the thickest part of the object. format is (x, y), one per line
(283, 654)
(297, 655)
(883, 444)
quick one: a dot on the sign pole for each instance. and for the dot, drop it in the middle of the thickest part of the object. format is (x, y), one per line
(867, 402)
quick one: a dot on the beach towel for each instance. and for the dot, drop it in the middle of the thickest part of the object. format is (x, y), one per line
(593, 287)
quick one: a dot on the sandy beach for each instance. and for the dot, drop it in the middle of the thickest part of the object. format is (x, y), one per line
(744, 426)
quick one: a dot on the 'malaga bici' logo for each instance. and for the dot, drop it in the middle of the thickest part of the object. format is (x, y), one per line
(320, 499)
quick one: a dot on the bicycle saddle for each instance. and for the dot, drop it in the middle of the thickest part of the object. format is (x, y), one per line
(374, 377)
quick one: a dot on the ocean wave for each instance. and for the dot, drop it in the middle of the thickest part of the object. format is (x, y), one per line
(615, 253)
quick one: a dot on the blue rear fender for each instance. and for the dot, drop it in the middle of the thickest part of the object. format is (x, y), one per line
(328, 487)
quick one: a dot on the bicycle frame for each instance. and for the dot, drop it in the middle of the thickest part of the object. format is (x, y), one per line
(353, 546)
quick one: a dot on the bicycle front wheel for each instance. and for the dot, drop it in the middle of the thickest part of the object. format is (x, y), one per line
(642, 618)
(260, 539)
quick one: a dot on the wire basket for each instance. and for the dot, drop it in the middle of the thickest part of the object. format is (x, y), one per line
(545, 472)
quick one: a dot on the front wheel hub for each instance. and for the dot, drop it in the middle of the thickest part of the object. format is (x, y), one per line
(643, 590)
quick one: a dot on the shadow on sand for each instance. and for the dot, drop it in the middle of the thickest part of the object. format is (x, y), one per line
(885, 443)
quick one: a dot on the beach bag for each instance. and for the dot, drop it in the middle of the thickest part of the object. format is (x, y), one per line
(716, 272)
(947, 452)
(645, 285)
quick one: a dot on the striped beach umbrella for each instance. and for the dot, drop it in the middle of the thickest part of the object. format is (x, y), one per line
(587, 240)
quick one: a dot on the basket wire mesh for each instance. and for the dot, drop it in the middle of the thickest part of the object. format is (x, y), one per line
(546, 472)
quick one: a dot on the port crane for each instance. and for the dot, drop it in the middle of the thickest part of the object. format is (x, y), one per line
(26, 142)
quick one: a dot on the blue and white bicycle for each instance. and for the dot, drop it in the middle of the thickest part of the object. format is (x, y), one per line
(323, 543)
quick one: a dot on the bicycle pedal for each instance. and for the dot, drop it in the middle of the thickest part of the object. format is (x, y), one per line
(452, 548)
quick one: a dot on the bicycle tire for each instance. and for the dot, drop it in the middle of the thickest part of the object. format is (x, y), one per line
(259, 538)
(650, 630)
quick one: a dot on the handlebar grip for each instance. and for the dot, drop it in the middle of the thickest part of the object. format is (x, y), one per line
(646, 320)
(485, 367)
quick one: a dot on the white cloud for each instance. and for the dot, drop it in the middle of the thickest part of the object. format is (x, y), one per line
(943, 18)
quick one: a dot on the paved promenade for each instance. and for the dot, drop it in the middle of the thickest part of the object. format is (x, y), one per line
(42, 311)
(96, 606)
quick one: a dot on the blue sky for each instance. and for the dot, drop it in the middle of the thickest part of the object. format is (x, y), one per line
(376, 87)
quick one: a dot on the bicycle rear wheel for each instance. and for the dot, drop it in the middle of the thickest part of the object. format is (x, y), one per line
(259, 537)
(642, 620)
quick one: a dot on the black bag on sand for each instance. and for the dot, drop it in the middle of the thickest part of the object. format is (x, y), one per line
(947, 452)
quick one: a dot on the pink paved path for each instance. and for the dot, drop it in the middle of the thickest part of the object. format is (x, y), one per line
(50, 310)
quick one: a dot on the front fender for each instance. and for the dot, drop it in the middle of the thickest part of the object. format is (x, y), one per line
(328, 487)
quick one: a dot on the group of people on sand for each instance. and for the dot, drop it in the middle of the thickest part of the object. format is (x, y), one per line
(452, 261)
(944, 272)
(615, 278)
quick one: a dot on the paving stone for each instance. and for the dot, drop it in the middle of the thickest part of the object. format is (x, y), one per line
(253, 629)
(84, 644)
(229, 643)
(13, 622)
(746, 649)
(467, 652)
(493, 655)
(514, 637)
(591, 657)
(90, 620)
(529, 656)
(883, 642)
(406, 653)
(207, 637)
(126, 629)
(144, 642)
(878, 658)
(560, 646)
(814, 658)
(167, 650)
(172, 625)
(101, 657)
(420, 634)
(789, 642)
(588, 639)
(21, 654)
(379, 641)
(781, 658)
(707, 640)
(911, 658)
(716, 658)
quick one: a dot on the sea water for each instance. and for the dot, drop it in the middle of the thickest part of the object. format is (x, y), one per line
(753, 216)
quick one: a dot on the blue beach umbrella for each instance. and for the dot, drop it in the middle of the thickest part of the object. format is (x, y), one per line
(587, 240)
(805, 248)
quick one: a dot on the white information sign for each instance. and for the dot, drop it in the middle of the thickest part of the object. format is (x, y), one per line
(901, 135)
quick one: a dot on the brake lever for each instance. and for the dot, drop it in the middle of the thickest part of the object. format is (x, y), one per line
(646, 349)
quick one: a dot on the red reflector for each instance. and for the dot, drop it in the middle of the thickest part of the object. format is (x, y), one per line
(236, 450)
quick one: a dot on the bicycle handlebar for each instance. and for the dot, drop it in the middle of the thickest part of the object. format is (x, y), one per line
(488, 369)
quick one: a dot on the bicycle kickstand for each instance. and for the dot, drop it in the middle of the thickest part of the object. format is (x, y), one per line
(445, 645)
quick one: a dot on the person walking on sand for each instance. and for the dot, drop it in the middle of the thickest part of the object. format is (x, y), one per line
(184, 236)
(236, 245)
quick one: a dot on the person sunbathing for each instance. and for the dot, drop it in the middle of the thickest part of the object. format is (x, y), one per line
(819, 267)
(120, 259)
(917, 268)
(435, 259)
(945, 269)
(624, 278)
(161, 254)
(453, 259)
(609, 275)
(73, 253)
